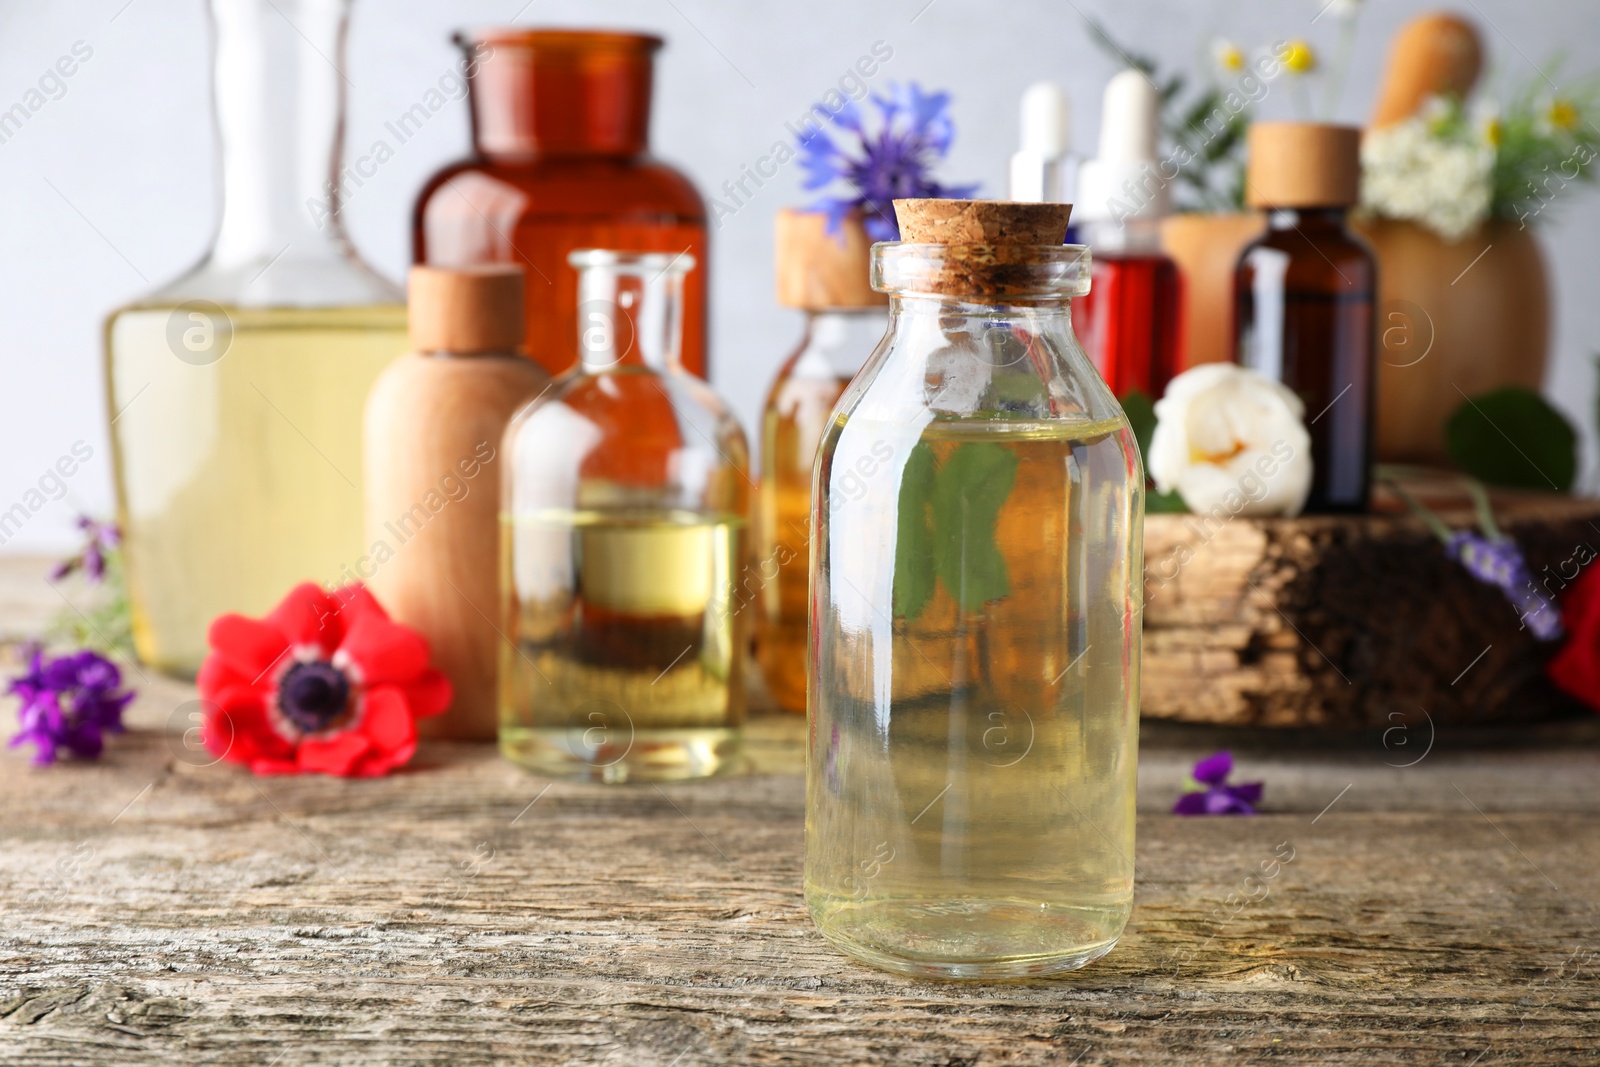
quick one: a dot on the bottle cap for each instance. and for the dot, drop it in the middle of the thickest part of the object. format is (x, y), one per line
(1042, 169)
(1122, 181)
(1303, 164)
(817, 270)
(466, 309)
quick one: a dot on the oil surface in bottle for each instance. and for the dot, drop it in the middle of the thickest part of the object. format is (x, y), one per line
(238, 458)
(627, 657)
(974, 726)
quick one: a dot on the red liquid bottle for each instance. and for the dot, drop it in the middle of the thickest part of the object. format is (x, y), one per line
(560, 128)
(1304, 294)
(1130, 324)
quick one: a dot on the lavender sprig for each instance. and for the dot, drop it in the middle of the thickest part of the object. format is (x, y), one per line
(892, 163)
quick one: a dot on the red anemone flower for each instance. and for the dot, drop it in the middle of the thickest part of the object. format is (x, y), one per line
(326, 684)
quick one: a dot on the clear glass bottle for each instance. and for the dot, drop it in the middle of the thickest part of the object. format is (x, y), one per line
(824, 275)
(626, 492)
(975, 616)
(560, 161)
(235, 393)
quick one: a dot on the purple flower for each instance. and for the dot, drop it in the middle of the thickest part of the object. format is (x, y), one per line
(1499, 563)
(895, 162)
(99, 539)
(1218, 797)
(68, 702)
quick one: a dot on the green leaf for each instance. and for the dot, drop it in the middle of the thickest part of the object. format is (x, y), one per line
(971, 486)
(1164, 503)
(913, 545)
(1513, 437)
(1141, 411)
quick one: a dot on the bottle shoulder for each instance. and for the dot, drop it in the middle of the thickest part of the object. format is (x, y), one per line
(608, 187)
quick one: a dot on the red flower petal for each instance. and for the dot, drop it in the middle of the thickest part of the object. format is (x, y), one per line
(374, 764)
(385, 651)
(1576, 667)
(216, 675)
(248, 647)
(429, 695)
(309, 616)
(386, 719)
(274, 766)
(333, 755)
(238, 730)
(357, 601)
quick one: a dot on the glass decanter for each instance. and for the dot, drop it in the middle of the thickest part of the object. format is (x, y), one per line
(623, 534)
(976, 589)
(235, 392)
(560, 136)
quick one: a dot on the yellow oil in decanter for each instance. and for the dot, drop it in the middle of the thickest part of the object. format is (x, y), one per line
(237, 458)
(975, 721)
(628, 651)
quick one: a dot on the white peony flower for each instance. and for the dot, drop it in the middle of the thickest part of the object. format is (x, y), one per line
(1408, 172)
(1233, 439)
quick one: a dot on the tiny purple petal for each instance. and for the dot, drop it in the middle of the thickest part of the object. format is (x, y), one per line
(68, 703)
(1214, 769)
(1190, 804)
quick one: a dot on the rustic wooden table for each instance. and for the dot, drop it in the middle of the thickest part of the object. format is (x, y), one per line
(157, 909)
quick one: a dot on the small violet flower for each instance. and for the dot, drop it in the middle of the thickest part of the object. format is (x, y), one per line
(893, 163)
(100, 538)
(68, 703)
(1217, 797)
(1499, 563)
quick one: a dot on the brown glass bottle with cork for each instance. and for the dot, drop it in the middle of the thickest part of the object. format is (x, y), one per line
(1304, 294)
(434, 422)
(827, 276)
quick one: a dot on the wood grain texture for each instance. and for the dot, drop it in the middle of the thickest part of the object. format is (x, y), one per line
(1347, 622)
(463, 912)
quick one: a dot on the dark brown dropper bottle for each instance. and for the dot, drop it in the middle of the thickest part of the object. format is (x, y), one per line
(1304, 295)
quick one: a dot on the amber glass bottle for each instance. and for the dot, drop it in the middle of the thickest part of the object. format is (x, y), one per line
(560, 128)
(826, 276)
(1304, 294)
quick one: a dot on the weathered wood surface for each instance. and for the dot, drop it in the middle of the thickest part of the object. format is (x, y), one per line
(156, 909)
(1348, 622)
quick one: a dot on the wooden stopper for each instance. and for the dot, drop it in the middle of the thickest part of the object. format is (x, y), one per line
(1303, 164)
(818, 270)
(466, 309)
(981, 222)
(1437, 54)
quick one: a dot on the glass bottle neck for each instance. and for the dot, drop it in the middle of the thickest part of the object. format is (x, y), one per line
(552, 93)
(1130, 237)
(630, 320)
(1306, 218)
(838, 340)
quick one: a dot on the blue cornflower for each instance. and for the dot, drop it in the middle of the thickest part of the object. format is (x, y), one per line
(896, 162)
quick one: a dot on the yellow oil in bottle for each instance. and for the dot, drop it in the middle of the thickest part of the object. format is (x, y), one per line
(796, 416)
(625, 654)
(236, 438)
(974, 733)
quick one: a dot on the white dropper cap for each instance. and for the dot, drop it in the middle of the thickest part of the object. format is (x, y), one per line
(1123, 180)
(1040, 172)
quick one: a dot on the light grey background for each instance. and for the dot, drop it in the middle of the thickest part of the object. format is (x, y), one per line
(112, 189)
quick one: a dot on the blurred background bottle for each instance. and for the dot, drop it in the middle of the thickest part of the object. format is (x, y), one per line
(625, 504)
(1131, 322)
(1304, 294)
(826, 276)
(560, 127)
(235, 392)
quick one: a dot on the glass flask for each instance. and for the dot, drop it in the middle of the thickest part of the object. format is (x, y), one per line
(560, 134)
(826, 276)
(622, 535)
(235, 392)
(975, 626)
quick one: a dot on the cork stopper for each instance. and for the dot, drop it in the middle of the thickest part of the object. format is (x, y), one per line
(981, 222)
(466, 309)
(1303, 164)
(817, 271)
(996, 250)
